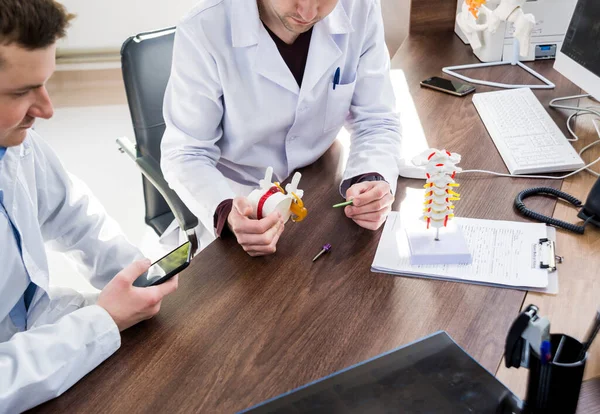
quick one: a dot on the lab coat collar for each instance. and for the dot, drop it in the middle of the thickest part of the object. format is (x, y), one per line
(246, 23)
(9, 166)
(247, 29)
(338, 22)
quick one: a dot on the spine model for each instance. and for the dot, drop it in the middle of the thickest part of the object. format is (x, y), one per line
(441, 169)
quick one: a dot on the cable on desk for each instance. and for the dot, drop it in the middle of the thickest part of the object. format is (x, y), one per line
(592, 110)
(520, 205)
(545, 177)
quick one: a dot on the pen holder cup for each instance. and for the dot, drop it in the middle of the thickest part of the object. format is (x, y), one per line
(554, 387)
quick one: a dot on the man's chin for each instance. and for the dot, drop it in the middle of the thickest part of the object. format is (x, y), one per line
(297, 28)
(14, 138)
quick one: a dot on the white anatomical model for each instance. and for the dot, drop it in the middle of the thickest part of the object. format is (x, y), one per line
(476, 20)
(441, 169)
(271, 197)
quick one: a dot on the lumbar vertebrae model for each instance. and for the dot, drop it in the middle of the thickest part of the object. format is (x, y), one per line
(271, 197)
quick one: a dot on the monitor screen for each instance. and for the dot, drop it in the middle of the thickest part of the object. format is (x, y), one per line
(582, 41)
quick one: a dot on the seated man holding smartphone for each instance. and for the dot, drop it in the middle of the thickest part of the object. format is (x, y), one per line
(48, 341)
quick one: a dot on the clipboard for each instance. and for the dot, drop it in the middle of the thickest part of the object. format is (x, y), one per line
(506, 254)
(549, 260)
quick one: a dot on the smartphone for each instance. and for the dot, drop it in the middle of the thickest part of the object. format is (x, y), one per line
(167, 267)
(448, 86)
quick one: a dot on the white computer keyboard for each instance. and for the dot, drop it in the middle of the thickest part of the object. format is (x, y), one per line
(527, 138)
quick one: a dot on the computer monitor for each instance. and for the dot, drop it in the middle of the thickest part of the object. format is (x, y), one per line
(579, 57)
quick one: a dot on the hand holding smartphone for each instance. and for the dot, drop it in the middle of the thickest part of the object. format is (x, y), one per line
(166, 267)
(446, 85)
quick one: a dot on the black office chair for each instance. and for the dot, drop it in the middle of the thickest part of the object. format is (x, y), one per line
(146, 63)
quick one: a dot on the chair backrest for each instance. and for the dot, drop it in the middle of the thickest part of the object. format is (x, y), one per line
(146, 63)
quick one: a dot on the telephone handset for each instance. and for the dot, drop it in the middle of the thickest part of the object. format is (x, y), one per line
(590, 211)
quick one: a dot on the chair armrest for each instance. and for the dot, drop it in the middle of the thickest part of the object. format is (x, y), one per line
(127, 147)
(151, 170)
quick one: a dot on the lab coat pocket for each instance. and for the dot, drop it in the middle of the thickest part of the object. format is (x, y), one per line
(338, 105)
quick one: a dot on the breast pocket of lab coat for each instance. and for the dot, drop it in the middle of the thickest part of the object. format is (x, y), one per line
(338, 105)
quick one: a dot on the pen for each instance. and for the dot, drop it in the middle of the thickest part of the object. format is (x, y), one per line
(344, 204)
(546, 352)
(591, 336)
(324, 250)
(336, 78)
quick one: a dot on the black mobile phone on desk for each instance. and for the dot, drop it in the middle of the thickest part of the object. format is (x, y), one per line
(448, 86)
(166, 267)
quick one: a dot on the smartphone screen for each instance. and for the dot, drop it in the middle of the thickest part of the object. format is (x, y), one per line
(453, 87)
(167, 267)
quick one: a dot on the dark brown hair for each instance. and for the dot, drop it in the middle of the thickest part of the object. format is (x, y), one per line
(32, 24)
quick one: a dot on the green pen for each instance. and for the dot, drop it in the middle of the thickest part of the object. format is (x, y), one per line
(344, 204)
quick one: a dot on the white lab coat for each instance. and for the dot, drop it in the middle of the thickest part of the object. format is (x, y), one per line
(64, 339)
(232, 107)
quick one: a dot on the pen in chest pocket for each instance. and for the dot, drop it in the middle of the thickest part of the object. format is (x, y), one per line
(336, 78)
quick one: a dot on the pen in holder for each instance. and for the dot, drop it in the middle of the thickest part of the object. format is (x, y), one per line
(553, 387)
(555, 362)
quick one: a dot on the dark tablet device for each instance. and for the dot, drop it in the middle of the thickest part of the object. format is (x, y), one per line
(432, 375)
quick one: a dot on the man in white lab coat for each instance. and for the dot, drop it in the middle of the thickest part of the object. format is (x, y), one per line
(258, 83)
(49, 340)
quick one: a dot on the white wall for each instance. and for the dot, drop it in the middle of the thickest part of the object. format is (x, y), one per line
(396, 20)
(103, 25)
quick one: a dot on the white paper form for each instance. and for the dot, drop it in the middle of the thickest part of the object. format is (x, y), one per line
(504, 254)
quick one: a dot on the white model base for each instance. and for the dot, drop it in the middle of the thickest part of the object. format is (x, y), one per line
(450, 70)
(451, 248)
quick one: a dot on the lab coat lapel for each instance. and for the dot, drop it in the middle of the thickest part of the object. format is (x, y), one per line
(9, 167)
(11, 285)
(269, 63)
(322, 54)
(15, 180)
(247, 30)
(324, 51)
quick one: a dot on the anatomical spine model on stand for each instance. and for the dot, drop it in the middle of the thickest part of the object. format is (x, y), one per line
(441, 170)
(450, 245)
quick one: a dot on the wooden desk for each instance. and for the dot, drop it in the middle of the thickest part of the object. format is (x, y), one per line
(241, 330)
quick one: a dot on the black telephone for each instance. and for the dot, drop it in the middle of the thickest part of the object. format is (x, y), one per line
(590, 211)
